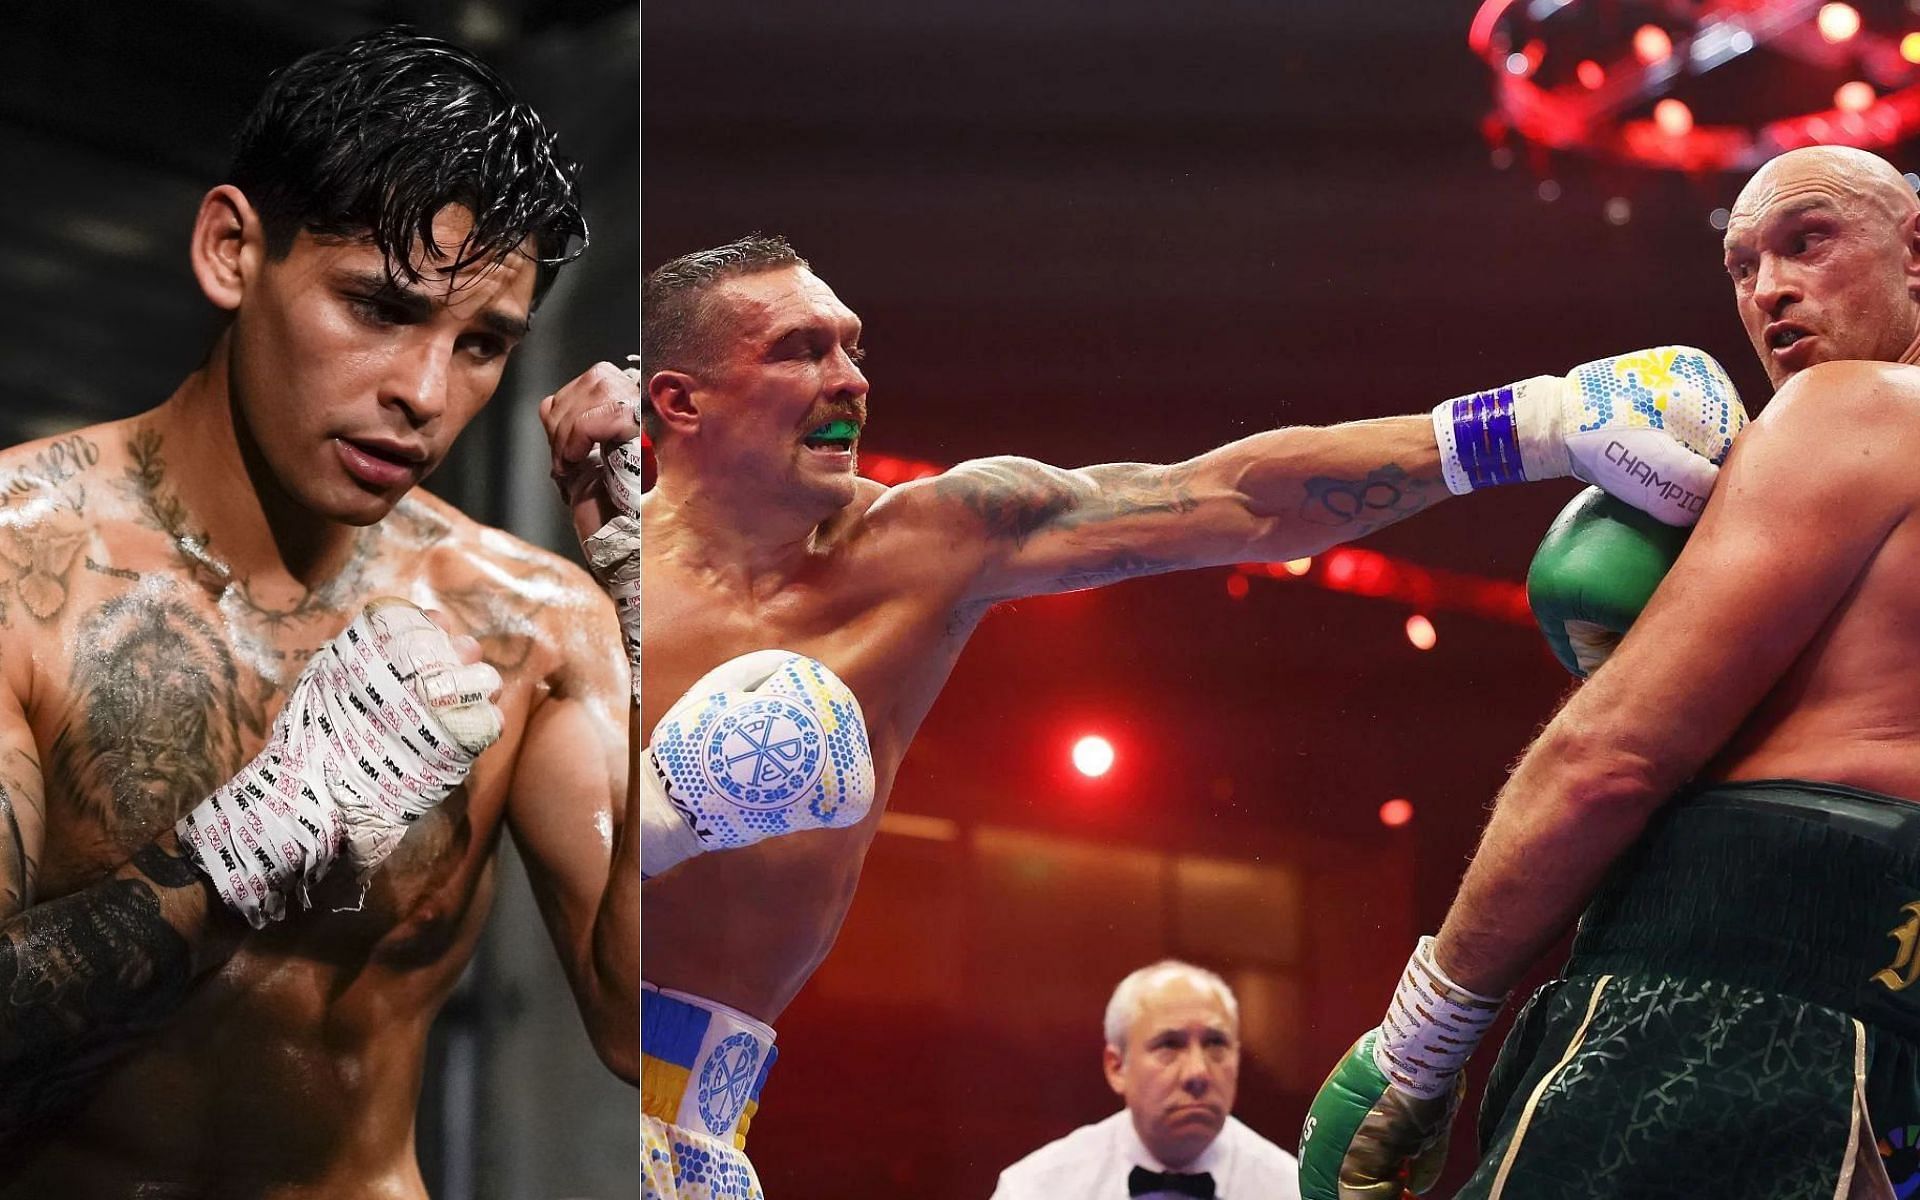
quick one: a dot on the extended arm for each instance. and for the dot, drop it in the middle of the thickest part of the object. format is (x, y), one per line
(1649, 427)
(1283, 494)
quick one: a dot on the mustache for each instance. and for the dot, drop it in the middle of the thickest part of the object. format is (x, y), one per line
(855, 412)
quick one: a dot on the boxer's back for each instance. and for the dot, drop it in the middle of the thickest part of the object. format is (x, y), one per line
(1848, 710)
(148, 677)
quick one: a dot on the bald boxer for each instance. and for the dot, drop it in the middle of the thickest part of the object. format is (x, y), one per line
(761, 534)
(1728, 805)
(229, 904)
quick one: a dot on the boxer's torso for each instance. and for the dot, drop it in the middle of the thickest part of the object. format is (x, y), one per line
(149, 676)
(886, 611)
(1848, 710)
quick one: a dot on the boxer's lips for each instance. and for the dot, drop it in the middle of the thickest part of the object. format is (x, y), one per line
(1791, 346)
(1782, 335)
(380, 463)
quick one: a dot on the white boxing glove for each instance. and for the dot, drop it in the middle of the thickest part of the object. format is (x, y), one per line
(384, 722)
(1652, 428)
(765, 744)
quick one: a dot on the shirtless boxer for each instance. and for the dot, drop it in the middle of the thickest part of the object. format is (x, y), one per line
(167, 578)
(1730, 799)
(760, 534)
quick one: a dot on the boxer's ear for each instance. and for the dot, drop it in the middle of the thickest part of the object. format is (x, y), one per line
(227, 245)
(671, 394)
(1910, 243)
(1116, 1078)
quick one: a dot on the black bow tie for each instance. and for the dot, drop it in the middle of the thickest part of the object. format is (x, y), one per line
(1142, 1182)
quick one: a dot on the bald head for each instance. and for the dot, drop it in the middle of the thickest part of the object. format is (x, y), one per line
(1823, 247)
(1837, 171)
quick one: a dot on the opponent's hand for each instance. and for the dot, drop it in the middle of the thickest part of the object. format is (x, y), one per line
(1595, 570)
(1651, 427)
(765, 744)
(383, 723)
(587, 421)
(1379, 1123)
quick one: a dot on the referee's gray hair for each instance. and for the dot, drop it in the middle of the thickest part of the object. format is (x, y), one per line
(1124, 1008)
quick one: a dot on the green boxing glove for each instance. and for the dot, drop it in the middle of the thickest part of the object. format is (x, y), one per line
(1595, 570)
(1379, 1125)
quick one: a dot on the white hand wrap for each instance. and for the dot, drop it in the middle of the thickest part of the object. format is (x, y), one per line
(765, 744)
(382, 724)
(1652, 428)
(613, 552)
(1431, 1028)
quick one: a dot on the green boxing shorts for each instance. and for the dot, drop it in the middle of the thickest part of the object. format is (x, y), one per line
(1738, 1017)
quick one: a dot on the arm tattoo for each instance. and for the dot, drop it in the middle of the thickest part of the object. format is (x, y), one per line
(1120, 567)
(82, 978)
(1015, 498)
(1363, 505)
(17, 869)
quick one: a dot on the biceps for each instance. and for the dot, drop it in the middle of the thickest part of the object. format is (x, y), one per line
(1065, 530)
(563, 811)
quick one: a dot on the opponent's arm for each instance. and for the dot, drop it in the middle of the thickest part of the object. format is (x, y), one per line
(571, 810)
(1650, 427)
(1806, 500)
(1808, 497)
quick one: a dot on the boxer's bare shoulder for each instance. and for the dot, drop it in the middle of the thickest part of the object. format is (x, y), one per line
(537, 614)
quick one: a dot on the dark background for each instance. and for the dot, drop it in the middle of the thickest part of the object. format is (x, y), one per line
(1092, 231)
(114, 119)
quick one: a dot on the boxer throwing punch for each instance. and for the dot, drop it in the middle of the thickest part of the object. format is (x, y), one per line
(760, 534)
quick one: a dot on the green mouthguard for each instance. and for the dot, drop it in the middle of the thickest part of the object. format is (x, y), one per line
(836, 431)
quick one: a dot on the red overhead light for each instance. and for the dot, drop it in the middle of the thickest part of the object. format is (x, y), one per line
(1093, 756)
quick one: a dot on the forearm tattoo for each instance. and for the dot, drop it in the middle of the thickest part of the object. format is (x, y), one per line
(1363, 505)
(82, 978)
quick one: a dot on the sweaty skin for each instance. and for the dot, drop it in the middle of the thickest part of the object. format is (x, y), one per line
(754, 540)
(1785, 642)
(160, 591)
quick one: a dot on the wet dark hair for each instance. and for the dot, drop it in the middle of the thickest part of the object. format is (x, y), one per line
(674, 329)
(370, 139)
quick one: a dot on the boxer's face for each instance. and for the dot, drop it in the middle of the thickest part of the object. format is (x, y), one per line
(1179, 1071)
(353, 385)
(1822, 259)
(787, 365)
